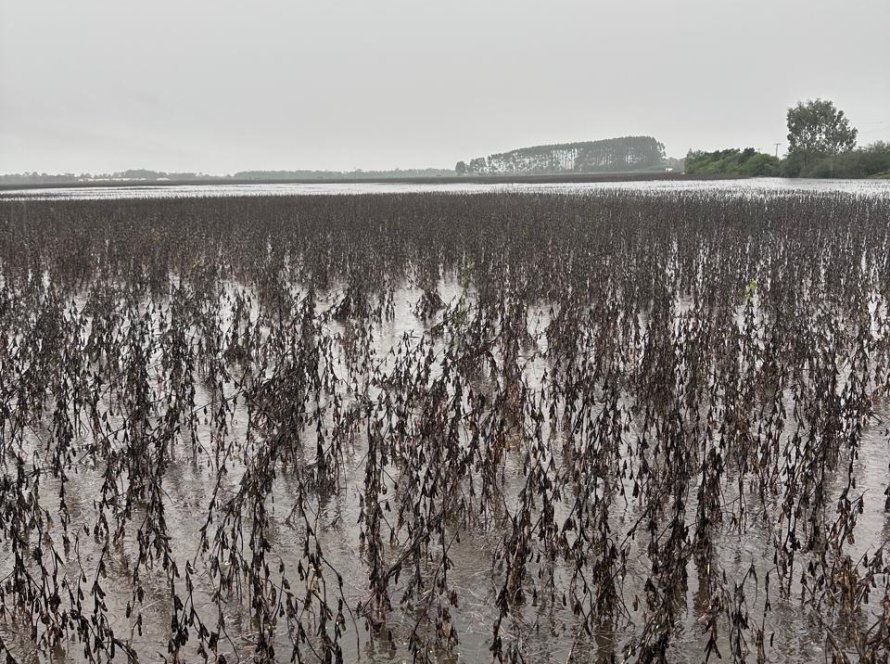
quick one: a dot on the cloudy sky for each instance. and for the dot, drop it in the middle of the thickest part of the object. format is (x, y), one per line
(218, 86)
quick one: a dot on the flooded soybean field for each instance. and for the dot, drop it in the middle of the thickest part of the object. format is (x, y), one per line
(642, 424)
(744, 187)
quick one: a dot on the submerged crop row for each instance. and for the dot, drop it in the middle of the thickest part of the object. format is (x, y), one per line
(612, 427)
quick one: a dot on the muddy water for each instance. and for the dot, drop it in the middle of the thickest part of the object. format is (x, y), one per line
(546, 631)
(745, 187)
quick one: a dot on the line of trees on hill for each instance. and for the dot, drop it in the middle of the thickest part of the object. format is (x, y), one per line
(821, 144)
(612, 155)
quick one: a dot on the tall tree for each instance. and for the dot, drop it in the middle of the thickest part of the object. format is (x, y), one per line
(817, 129)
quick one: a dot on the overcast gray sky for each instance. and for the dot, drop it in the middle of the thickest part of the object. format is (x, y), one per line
(219, 86)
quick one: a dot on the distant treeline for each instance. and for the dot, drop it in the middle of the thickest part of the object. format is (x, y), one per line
(821, 144)
(132, 174)
(40, 178)
(612, 155)
(146, 175)
(871, 161)
(746, 162)
(339, 175)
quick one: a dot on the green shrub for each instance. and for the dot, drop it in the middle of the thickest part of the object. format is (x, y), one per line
(747, 162)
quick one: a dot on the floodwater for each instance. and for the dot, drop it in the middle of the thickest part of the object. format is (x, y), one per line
(549, 632)
(743, 187)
